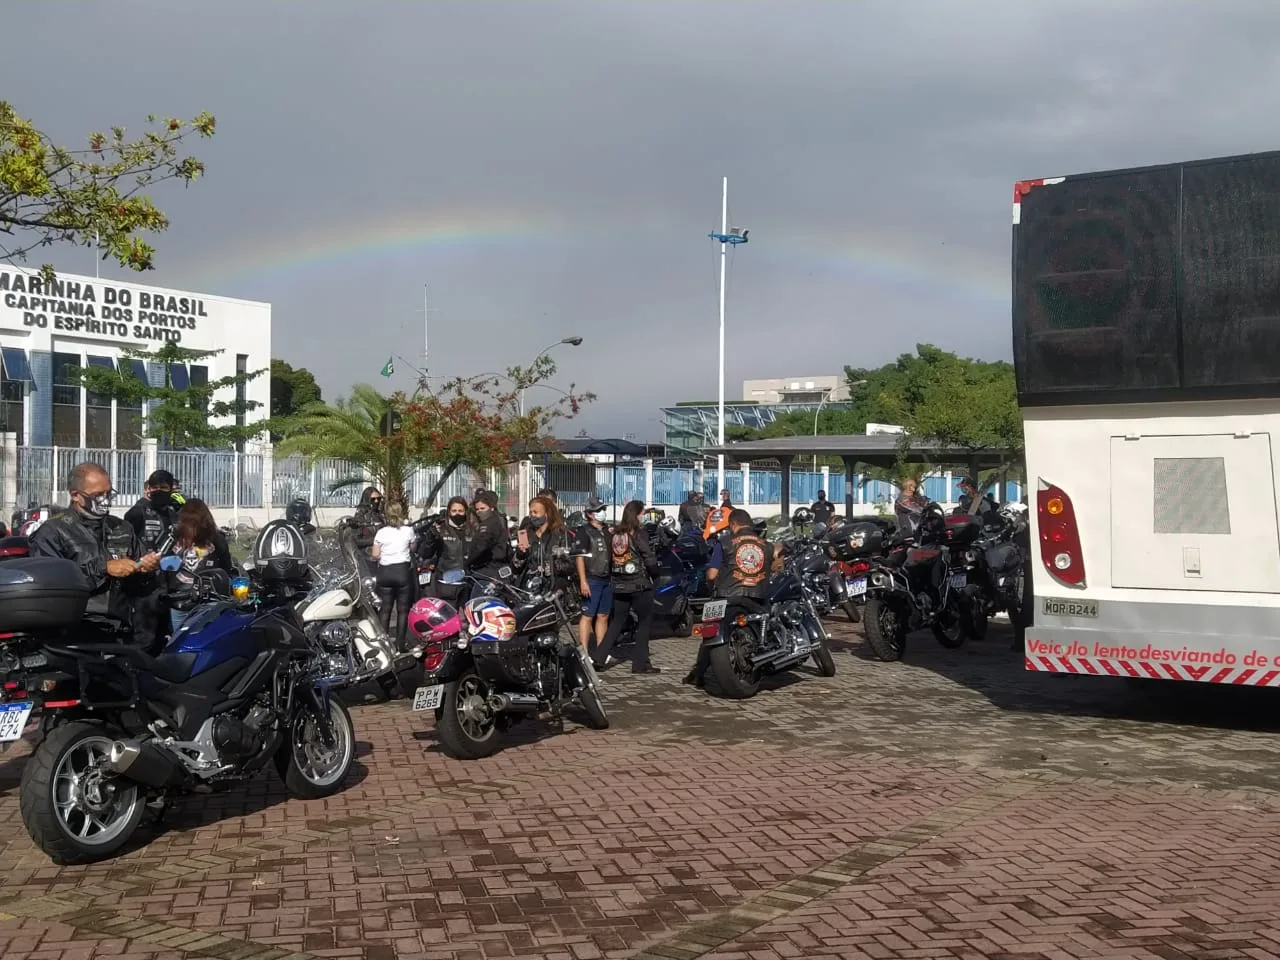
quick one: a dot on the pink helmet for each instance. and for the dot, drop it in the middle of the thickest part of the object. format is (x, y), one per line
(434, 619)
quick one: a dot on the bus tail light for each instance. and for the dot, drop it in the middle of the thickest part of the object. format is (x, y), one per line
(1060, 549)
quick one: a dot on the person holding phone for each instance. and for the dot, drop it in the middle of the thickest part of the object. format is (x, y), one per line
(105, 548)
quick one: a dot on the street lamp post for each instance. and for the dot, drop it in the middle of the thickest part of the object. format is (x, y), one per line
(567, 341)
(816, 413)
(727, 239)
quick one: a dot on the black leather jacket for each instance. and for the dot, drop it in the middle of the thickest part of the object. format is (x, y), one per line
(89, 544)
(491, 549)
(149, 523)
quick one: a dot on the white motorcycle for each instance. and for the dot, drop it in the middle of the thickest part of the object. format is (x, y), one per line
(341, 614)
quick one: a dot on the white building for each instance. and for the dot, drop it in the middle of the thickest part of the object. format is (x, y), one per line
(46, 329)
(829, 388)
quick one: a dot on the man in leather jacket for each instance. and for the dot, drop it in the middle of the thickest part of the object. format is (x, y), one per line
(491, 549)
(106, 550)
(693, 512)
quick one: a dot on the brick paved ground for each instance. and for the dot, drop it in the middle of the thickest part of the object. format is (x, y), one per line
(948, 806)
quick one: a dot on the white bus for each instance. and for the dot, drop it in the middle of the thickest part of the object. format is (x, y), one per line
(1146, 337)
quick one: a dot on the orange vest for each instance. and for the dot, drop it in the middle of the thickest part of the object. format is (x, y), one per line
(717, 520)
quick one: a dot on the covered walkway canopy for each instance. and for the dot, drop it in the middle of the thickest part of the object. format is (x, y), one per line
(874, 450)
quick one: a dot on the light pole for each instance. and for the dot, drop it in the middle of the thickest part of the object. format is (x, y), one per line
(567, 341)
(816, 413)
(727, 238)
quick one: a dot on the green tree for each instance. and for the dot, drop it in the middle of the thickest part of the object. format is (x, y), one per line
(92, 196)
(293, 389)
(467, 420)
(180, 417)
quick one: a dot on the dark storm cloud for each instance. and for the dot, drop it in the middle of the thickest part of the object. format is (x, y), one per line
(577, 150)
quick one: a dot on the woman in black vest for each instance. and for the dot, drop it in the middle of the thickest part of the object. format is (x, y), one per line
(633, 566)
(448, 545)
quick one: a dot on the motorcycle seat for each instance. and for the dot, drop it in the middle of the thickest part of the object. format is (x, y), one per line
(169, 667)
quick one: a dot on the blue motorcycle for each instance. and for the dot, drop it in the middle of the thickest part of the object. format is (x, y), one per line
(240, 686)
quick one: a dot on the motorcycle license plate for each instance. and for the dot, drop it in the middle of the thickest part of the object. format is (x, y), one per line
(714, 610)
(856, 588)
(13, 720)
(959, 581)
(424, 577)
(428, 698)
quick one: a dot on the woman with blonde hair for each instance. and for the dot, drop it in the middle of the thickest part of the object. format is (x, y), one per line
(392, 550)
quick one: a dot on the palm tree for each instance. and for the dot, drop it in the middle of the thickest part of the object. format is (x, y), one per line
(350, 429)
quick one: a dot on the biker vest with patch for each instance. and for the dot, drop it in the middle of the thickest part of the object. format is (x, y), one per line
(600, 563)
(624, 558)
(745, 568)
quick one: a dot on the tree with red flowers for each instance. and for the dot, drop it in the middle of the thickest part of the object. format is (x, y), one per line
(474, 420)
(478, 420)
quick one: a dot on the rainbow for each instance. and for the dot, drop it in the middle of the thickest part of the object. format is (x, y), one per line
(881, 259)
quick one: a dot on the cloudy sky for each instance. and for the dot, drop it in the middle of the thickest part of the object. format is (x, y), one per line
(552, 169)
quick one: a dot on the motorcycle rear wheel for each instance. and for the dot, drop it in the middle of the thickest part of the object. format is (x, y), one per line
(467, 727)
(851, 611)
(72, 813)
(885, 631)
(733, 676)
(682, 626)
(953, 629)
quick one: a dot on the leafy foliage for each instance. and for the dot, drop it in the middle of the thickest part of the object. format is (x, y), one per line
(473, 420)
(293, 389)
(51, 194)
(180, 417)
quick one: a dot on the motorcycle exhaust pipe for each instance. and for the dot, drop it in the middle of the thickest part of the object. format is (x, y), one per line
(514, 703)
(145, 763)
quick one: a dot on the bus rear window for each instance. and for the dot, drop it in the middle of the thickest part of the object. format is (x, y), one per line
(1156, 284)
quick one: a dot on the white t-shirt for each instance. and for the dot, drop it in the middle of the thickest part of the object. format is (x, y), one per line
(393, 544)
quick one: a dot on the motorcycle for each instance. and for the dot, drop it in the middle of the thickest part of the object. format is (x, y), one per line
(748, 639)
(340, 615)
(239, 686)
(994, 567)
(509, 655)
(680, 588)
(922, 583)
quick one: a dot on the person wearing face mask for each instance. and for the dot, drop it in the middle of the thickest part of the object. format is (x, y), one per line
(542, 549)
(107, 551)
(153, 518)
(448, 545)
(368, 517)
(491, 548)
(595, 580)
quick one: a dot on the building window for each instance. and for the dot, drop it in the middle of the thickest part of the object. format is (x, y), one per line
(11, 407)
(97, 414)
(66, 400)
(200, 378)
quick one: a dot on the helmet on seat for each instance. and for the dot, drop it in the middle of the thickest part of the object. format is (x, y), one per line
(434, 619)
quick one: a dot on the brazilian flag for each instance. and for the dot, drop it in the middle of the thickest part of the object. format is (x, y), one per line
(388, 368)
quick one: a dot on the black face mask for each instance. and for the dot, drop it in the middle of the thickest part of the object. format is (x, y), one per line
(537, 522)
(160, 499)
(457, 519)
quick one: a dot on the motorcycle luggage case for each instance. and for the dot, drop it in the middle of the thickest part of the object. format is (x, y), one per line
(859, 540)
(963, 530)
(41, 593)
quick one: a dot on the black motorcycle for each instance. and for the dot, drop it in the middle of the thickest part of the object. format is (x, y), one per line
(749, 639)
(994, 567)
(512, 656)
(922, 582)
(239, 687)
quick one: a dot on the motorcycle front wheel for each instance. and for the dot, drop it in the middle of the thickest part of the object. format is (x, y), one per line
(589, 694)
(309, 767)
(826, 663)
(467, 725)
(72, 808)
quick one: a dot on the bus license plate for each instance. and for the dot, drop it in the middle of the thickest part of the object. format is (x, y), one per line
(1061, 607)
(856, 588)
(428, 698)
(714, 610)
(13, 720)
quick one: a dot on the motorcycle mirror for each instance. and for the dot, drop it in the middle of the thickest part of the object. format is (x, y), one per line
(170, 564)
(452, 576)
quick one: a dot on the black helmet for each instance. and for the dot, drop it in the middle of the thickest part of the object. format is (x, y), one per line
(801, 516)
(298, 511)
